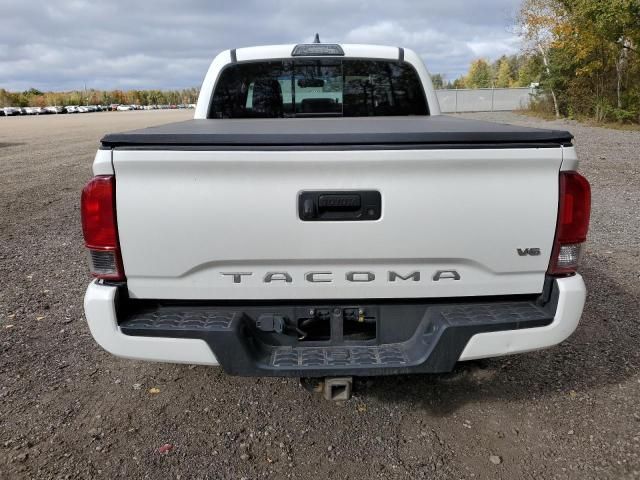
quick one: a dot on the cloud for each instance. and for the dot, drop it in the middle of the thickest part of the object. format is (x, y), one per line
(61, 44)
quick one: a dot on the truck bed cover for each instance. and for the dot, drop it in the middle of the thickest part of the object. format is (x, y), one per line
(337, 133)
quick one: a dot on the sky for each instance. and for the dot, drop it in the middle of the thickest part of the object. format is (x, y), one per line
(128, 44)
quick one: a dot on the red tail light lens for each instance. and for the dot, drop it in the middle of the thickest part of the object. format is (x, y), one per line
(99, 227)
(574, 210)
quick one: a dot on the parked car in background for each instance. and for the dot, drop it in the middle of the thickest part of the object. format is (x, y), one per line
(54, 109)
(124, 108)
(33, 110)
(10, 111)
(71, 109)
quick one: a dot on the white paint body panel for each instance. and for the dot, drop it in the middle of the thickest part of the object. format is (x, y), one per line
(102, 163)
(100, 310)
(187, 217)
(569, 159)
(572, 295)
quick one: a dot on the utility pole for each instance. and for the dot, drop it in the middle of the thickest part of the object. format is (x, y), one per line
(456, 107)
(493, 94)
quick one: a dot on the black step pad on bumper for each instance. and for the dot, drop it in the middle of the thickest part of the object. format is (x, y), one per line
(408, 338)
(309, 357)
(162, 322)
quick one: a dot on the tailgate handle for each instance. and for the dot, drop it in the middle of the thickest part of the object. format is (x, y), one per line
(340, 205)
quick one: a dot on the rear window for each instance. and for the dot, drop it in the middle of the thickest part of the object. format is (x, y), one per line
(316, 88)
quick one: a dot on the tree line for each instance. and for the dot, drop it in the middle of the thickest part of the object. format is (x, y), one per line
(508, 71)
(584, 54)
(37, 98)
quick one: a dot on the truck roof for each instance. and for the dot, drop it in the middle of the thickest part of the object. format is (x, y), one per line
(285, 51)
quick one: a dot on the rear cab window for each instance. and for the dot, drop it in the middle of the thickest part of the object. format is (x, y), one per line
(318, 87)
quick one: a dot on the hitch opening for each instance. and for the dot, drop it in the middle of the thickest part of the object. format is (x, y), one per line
(338, 388)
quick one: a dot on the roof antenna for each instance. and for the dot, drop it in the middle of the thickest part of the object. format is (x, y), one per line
(317, 39)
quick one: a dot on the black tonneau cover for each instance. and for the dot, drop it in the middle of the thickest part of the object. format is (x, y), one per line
(313, 133)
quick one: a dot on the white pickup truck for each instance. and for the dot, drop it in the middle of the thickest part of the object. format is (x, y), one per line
(319, 217)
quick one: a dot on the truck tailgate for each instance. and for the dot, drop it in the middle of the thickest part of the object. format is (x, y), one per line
(191, 220)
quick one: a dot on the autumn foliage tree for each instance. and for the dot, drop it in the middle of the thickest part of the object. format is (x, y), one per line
(539, 22)
(480, 75)
(504, 75)
(589, 51)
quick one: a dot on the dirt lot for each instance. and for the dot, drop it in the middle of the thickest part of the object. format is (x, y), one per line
(70, 410)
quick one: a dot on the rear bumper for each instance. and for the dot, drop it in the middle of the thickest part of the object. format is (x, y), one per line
(442, 335)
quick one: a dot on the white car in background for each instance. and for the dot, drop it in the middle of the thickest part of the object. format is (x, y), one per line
(11, 111)
(71, 109)
(124, 108)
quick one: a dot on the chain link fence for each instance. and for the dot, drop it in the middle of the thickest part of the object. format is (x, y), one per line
(484, 99)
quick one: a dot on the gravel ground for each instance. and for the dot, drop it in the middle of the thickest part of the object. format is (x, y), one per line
(70, 410)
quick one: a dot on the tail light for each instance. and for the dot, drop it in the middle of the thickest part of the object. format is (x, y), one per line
(573, 223)
(99, 227)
